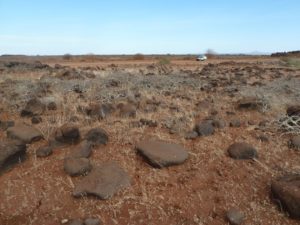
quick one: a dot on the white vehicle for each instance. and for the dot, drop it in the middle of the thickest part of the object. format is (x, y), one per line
(201, 58)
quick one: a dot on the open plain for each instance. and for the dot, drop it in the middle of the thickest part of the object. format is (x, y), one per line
(149, 140)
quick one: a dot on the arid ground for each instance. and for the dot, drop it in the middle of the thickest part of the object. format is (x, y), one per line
(242, 99)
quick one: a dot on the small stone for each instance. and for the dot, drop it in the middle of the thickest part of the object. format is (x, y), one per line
(44, 151)
(242, 151)
(52, 106)
(263, 138)
(235, 216)
(162, 154)
(77, 166)
(33, 107)
(97, 136)
(249, 103)
(218, 123)
(295, 142)
(191, 135)
(36, 119)
(235, 123)
(67, 134)
(92, 221)
(205, 128)
(75, 222)
(293, 110)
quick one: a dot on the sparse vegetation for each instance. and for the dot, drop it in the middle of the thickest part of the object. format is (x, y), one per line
(164, 61)
(292, 62)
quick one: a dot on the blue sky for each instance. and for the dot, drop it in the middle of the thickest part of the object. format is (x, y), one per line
(149, 27)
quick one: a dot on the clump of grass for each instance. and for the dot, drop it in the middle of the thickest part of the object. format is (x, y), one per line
(292, 62)
(164, 61)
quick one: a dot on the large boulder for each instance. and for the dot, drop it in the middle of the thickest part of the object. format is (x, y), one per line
(286, 191)
(33, 107)
(241, 150)
(162, 154)
(11, 152)
(24, 133)
(104, 181)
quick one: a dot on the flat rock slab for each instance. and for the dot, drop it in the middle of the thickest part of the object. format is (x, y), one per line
(242, 151)
(11, 152)
(162, 154)
(104, 181)
(286, 190)
(24, 133)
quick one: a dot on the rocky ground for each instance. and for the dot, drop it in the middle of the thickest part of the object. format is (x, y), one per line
(149, 142)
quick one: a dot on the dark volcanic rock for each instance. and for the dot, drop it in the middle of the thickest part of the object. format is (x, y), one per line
(191, 135)
(75, 222)
(36, 119)
(249, 103)
(97, 136)
(295, 142)
(77, 166)
(92, 221)
(33, 107)
(286, 190)
(52, 106)
(11, 152)
(235, 216)
(67, 134)
(24, 133)
(235, 123)
(162, 154)
(205, 128)
(104, 181)
(293, 110)
(44, 151)
(242, 151)
(83, 150)
(99, 111)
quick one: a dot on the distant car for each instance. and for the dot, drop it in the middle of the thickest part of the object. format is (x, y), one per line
(201, 58)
